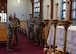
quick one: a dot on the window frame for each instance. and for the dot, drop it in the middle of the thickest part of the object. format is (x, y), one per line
(63, 2)
(71, 10)
(40, 8)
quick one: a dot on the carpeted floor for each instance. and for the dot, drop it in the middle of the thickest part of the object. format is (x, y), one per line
(25, 46)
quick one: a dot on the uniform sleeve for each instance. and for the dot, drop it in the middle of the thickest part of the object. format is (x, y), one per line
(7, 24)
(35, 21)
(18, 21)
(11, 24)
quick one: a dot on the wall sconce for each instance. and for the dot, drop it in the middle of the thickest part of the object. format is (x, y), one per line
(18, 1)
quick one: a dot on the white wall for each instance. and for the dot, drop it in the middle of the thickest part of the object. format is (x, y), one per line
(45, 2)
(59, 8)
(25, 7)
(22, 8)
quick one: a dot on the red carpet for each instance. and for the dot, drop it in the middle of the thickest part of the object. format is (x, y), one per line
(25, 46)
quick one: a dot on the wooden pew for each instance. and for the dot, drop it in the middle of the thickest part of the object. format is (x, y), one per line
(3, 33)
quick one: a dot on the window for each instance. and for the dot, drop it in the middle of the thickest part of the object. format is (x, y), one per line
(3, 17)
(3, 10)
(37, 8)
(73, 10)
(63, 8)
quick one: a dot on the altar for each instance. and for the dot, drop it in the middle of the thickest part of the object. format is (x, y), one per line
(71, 38)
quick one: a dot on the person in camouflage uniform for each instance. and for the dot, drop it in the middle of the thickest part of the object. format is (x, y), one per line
(9, 33)
(16, 25)
(30, 26)
(39, 30)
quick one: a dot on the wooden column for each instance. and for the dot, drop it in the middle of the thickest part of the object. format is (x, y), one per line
(32, 8)
(54, 37)
(66, 25)
(41, 8)
(52, 4)
(65, 39)
(70, 16)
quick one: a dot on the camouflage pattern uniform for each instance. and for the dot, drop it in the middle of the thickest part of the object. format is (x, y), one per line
(16, 24)
(30, 26)
(9, 34)
(39, 30)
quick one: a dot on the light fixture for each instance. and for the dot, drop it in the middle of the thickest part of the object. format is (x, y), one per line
(18, 1)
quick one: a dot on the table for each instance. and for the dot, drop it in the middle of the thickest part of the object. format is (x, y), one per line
(71, 38)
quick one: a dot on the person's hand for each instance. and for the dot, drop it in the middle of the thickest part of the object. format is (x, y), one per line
(32, 23)
(17, 26)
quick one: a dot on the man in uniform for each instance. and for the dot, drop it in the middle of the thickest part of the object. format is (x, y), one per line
(30, 26)
(16, 23)
(39, 30)
(9, 33)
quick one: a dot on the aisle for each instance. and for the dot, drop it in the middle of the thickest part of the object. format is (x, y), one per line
(25, 46)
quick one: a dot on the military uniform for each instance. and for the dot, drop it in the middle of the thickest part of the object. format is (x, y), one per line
(16, 24)
(39, 30)
(9, 34)
(30, 26)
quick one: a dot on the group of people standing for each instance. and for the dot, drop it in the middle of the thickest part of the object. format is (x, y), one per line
(12, 30)
(35, 29)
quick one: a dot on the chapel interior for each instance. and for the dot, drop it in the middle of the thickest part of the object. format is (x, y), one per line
(59, 17)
